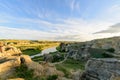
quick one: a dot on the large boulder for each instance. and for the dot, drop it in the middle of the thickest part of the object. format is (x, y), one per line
(102, 69)
(7, 67)
(48, 58)
(8, 64)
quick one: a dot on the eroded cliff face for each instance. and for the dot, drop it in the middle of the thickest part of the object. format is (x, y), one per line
(107, 43)
(76, 51)
(102, 69)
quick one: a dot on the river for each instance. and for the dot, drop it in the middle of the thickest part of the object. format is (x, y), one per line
(45, 51)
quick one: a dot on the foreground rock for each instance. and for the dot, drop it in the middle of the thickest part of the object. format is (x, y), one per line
(7, 67)
(12, 58)
(102, 69)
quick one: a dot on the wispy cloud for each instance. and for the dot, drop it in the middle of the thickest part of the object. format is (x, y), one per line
(36, 20)
(74, 5)
(63, 29)
(112, 29)
(17, 33)
(114, 8)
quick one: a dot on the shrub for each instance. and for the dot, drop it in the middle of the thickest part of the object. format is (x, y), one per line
(23, 72)
(52, 77)
(112, 50)
(107, 55)
(58, 48)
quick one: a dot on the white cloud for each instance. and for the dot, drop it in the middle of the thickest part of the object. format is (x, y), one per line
(112, 29)
(110, 14)
(114, 8)
(68, 29)
(17, 33)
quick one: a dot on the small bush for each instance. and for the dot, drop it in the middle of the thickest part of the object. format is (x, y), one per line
(58, 48)
(23, 72)
(112, 50)
(107, 55)
(53, 77)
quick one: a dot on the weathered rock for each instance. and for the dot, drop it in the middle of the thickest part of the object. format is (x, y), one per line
(107, 43)
(76, 75)
(62, 47)
(6, 51)
(48, 57)
(44, 69)
(8, 63)
(7, 67)
(81, 53)
(102, 69)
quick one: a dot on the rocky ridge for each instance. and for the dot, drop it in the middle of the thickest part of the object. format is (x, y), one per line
(102, 69)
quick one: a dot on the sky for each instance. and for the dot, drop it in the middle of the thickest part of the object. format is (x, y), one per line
(68, 20)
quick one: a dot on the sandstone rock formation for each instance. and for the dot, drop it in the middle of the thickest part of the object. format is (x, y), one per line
(8, 63)
(9, 51)
(102, 69)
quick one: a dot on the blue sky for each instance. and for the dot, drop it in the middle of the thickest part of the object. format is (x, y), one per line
(77, 20)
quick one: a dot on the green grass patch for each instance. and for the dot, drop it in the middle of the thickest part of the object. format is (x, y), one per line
(74, 64)
(70, 64)
(97, 53)
(63, 69)
(31, 51)
(37, 58)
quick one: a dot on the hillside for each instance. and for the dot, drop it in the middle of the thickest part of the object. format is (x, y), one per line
(71, 61)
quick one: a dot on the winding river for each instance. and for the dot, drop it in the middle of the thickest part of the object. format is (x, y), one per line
(45, 51)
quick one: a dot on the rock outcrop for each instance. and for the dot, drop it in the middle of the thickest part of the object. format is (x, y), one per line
(107, 43)
(8, 63)
(6, 51)
(102, 69)
(80, 53)
(48, 58)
